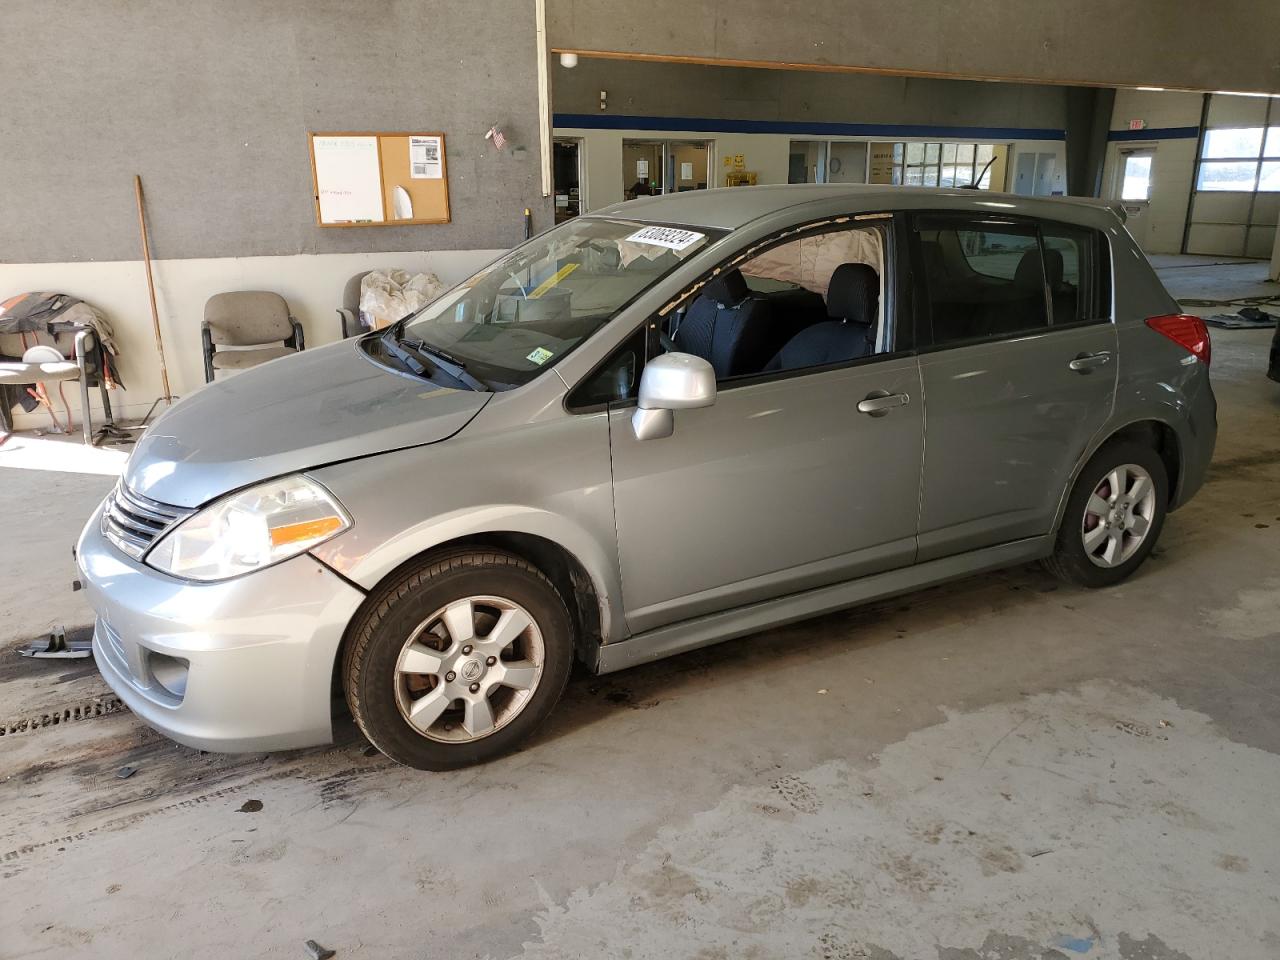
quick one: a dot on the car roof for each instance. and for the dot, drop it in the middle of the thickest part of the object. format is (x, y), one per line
(729, 208)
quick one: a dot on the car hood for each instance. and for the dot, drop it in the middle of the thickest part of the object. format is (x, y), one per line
(299, 412)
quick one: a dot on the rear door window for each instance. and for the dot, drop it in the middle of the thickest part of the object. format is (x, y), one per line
(983, 280)
(1077, 271)
(989, 280)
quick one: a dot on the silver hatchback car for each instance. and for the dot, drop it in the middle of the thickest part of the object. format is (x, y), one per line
(675, 421)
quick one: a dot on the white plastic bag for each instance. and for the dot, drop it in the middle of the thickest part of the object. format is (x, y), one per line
(388, 295)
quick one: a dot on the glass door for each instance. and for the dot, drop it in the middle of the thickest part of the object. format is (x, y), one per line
(1132, 189)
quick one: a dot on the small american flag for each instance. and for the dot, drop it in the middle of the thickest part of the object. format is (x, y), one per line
(495, 135)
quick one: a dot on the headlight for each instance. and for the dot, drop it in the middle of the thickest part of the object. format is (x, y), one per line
(250, 530)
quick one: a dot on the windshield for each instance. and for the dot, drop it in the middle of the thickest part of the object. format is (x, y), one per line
(522, 314)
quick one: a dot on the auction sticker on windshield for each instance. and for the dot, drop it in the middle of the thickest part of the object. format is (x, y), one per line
(670, 237)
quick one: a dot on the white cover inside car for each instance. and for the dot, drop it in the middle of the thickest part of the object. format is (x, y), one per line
(810, 261)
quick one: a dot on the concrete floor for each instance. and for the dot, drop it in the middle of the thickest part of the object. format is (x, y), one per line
(998, 768)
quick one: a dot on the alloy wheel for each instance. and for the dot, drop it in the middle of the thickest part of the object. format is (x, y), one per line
(469, 669)
(1118, 515)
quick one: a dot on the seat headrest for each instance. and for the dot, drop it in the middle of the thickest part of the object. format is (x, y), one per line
(854, 293)
(1029, 272)
(1053, 267)
(728, 288)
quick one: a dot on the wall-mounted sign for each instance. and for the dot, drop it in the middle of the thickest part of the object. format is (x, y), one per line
(642, 169)
(1137, 124)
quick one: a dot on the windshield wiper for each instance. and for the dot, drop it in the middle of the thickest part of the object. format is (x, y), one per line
(414, 352)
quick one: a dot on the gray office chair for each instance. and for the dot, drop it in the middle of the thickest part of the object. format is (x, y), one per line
(349, 312)
(256, 324)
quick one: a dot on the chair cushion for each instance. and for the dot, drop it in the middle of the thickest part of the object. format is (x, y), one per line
(38, 372)
(248, 317)
(243, 359)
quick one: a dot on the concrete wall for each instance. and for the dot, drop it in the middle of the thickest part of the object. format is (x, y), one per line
(1172, 124)
(1228, 45)
(638, 88)
(212, 103)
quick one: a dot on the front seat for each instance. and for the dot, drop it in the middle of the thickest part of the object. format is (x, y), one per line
(853, 303)
(728, 326)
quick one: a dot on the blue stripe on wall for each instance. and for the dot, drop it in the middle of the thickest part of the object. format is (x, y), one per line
(593, 121)
(1156, 133)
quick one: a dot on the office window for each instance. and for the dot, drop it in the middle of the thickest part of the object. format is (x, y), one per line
(943, 164)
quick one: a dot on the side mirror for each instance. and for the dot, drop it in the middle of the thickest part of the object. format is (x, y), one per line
(673, 381)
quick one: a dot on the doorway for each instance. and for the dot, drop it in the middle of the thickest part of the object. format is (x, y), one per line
(1132, 189)
(1035, 175)
(568, 179)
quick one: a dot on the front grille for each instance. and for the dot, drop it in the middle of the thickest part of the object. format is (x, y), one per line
(134, 522)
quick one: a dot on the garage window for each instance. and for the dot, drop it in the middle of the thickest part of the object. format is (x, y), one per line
(1241, 158)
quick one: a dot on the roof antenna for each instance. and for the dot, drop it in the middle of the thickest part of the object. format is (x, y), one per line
(978, 179)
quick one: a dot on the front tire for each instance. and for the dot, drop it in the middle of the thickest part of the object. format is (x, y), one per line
(1113, 516)
(457, 660)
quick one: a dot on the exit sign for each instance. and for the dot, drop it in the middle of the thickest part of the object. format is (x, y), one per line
(1137, 124)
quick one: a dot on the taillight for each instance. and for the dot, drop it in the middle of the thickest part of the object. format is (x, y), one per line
(1186, 331)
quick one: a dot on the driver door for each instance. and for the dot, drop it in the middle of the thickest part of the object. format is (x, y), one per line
(780, 486)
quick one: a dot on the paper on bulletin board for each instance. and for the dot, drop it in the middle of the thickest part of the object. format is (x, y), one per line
(425, 158)
(686, 171)
(642, 169)
(348, 179)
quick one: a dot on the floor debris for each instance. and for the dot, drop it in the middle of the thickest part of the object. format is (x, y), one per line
(317, 952)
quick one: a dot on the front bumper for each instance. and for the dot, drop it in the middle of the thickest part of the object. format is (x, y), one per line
(242, 665)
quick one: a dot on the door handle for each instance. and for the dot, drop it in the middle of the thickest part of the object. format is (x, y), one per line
(879, 402)
(1087, 361)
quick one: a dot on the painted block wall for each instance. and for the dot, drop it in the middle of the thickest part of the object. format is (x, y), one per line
(1160, 228)
(311, 283)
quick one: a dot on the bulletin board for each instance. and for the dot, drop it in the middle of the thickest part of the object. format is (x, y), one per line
(379, 179)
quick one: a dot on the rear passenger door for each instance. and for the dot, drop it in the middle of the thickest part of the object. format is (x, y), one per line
(1018, 363)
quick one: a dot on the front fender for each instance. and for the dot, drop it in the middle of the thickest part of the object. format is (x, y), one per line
(551, 480)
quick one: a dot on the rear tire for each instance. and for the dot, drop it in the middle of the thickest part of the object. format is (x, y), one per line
(458, 660)
(1113, 516)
